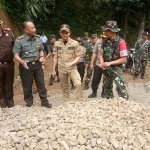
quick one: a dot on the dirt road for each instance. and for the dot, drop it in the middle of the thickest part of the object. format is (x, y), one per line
(139, 89)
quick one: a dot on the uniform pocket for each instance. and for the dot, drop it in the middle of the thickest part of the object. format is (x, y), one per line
(70, 53)
(59, 53)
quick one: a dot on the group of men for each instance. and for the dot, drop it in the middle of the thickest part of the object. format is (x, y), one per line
(105, 56)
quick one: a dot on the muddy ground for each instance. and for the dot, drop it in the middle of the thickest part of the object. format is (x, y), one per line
(139, 89)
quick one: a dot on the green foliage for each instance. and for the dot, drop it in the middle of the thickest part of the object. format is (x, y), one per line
(81, 15)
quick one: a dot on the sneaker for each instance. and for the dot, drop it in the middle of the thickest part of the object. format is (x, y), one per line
(93, 95)
(48, 105)
(35, 91)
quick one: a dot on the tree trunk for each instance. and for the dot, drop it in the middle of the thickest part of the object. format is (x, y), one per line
(142, 26)
(125, 24)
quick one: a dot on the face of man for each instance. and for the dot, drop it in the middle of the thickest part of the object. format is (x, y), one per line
(94, 39)
(30, 29)
(108, 33)
(85, 36)
(65, 35)
(145, 37)
(53, 40)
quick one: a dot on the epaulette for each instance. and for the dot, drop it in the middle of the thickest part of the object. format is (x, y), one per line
(7, 29)
(37, 35)
(20, 37)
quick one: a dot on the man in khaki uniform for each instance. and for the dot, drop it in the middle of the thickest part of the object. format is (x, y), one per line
(66, 51)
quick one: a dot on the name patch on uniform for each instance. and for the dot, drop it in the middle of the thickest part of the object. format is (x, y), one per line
(71, 48)
(123, 53)
(59, 48)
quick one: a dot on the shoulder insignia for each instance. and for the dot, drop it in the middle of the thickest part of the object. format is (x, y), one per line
(37, 35)
(20, 37)
(7, 29)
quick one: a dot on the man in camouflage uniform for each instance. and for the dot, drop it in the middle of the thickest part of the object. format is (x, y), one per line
(89, 52)
(142, 47)
(112, 55)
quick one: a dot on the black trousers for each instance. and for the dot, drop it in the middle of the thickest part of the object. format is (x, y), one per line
(6, 84)
(96, 78)
(81, 69)
(36, 71)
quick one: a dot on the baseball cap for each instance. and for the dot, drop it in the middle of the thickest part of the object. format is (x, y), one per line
(52, 36)
(78, 39)
(94, 35)
(1, 22)
(86, 33)
(65, 27)
(145, 33)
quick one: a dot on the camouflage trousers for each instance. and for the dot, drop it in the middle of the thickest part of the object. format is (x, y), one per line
(140, 64)
(89, 75)
(110, 74)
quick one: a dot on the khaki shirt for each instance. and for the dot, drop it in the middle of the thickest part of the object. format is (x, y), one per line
(28, 48)
(66, 54)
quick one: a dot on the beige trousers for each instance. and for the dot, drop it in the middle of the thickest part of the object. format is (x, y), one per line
(75, 77)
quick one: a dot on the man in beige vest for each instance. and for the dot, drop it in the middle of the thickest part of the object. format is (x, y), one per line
(66, 51)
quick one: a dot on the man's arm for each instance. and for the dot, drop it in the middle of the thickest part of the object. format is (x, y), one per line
(92, 61)
(55, 60)
(18, 59)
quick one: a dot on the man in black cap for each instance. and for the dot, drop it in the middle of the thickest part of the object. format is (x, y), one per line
(142, 47)
(6, 67)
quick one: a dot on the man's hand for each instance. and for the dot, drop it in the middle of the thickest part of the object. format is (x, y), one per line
(91, 66)
(86, 66)
(42, 59)
(54, 74)
(106, 64)
(25, 64)
(69, 65)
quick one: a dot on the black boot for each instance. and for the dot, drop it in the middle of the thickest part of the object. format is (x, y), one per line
(135, 76)
(142, 76)
(51, 80)
(86, 86)
(94, 94)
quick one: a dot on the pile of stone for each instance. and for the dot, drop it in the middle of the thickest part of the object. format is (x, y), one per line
(114, 124)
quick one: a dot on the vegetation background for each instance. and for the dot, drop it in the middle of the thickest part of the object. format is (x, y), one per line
(82, 15)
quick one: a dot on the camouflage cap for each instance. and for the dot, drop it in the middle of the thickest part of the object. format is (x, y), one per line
(52, 37)
(94, 35)
(111, 25)
(78, 39)
(145, 33)
(103, 35)
(65, 27)
(1, 22)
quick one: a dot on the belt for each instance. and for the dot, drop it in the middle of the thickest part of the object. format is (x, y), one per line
(32, 62)
(5, 62)
(80, 63)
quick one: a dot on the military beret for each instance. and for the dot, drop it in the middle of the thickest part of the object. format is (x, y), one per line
(65, 27)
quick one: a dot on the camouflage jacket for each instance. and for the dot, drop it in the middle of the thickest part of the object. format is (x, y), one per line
(111, 49)
(89, 52)
(142, 48)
